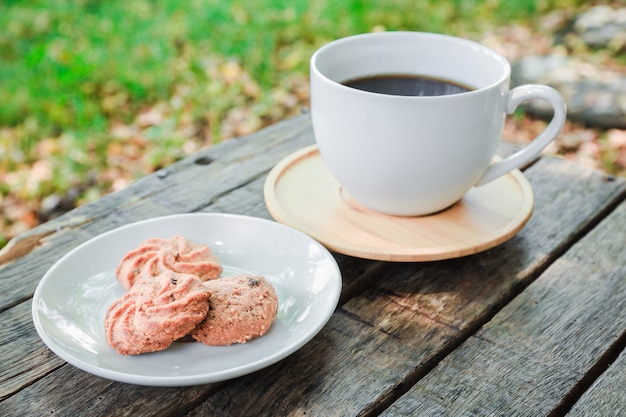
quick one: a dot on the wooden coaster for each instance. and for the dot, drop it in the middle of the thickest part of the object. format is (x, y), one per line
(300, 192)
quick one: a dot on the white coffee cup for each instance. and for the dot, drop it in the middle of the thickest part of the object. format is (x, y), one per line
(416, 155)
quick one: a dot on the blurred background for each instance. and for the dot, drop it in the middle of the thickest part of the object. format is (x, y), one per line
(94, 94)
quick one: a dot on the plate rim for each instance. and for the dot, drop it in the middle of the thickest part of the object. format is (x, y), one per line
(200, 378)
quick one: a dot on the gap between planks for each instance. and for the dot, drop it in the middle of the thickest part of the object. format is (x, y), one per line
(402, 387)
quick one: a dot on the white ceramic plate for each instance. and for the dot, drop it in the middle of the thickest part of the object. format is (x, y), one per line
(72, 298)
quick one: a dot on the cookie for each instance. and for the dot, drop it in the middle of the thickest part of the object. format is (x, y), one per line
(155, 312)
(154, 256)
(241, 307)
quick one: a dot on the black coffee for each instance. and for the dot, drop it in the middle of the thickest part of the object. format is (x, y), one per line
(406, 85)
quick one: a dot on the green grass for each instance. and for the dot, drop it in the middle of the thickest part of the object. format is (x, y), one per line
(73, 70)
(73, 65)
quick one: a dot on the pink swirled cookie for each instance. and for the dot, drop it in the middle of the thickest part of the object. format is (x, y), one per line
(241, 307)
(154, 256)
(155, 312)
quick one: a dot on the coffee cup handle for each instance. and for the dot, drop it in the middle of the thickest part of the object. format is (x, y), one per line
(514, 98)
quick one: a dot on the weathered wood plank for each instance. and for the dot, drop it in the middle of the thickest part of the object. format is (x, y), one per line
(184, 187)
(413, 314)
(606, 397)
(26, 369)
(94, 396)
(24, 357)
(33, 361)
(379, 329)
(245, 200)
(210, 176)
(118, 400)
(396, 328)
(540, 346)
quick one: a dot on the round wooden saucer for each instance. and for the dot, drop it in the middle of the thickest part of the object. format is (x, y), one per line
(300, 192)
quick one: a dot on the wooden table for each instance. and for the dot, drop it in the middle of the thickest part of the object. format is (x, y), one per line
(535, 326)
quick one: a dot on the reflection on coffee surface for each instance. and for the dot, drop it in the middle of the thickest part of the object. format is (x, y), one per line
(407, 85)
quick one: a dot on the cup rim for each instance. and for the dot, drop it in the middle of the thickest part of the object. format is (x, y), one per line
(352, 38)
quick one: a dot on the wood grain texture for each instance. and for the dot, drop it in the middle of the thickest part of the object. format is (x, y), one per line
(395, 322)
(538, 348)
(410, 315)
(606, 397)
(242, 194)
(69, 393)
(24, 356)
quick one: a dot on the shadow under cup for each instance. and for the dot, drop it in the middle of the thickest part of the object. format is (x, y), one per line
(408, 155)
